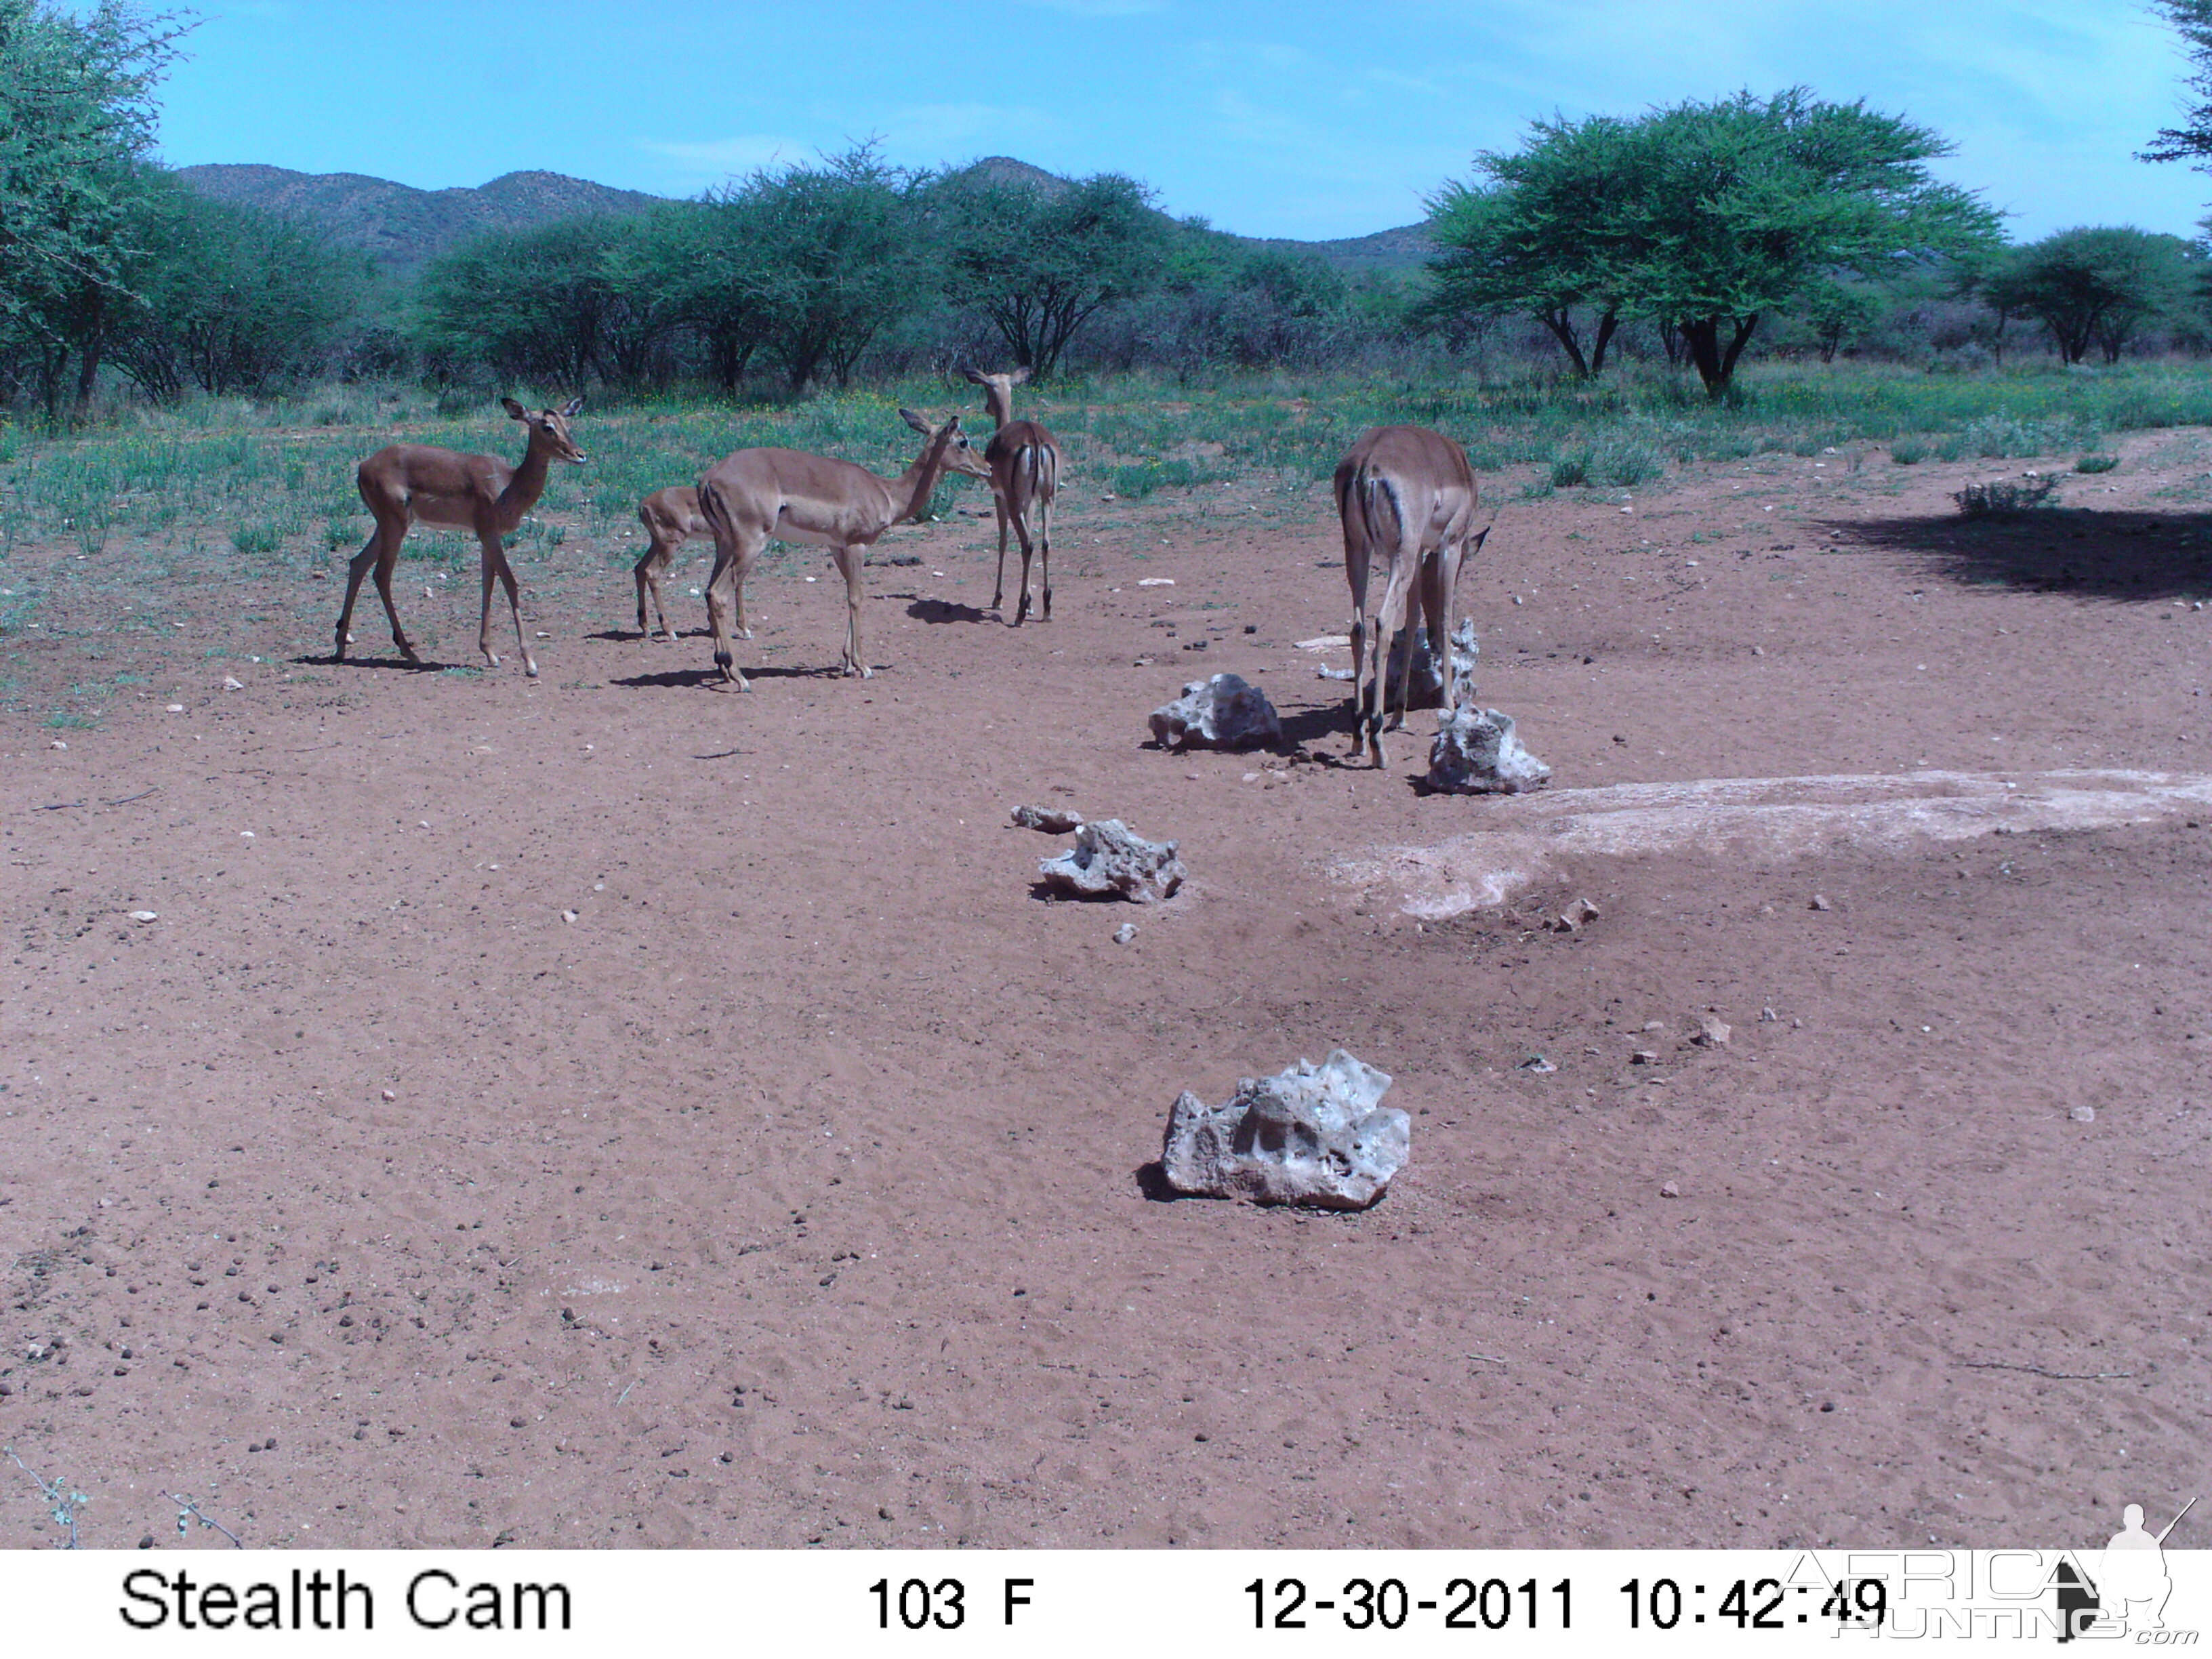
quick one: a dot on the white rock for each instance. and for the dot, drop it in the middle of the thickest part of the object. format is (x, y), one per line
(176, 708)
(231, 684)
(1311, 1134)
(1668, 1189)
(1711, 1033)
(2083, 1113)
(1226, 712)
(1125, 932)
(1427, 689)
(1476, 753)
(144, 915)
(1154, 581)
(57, 743)
(568, 915)
(1053, 820)
(1108, 861)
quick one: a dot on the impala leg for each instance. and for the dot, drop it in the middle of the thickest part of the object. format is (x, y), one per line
(998, 581)
(1022, 535)
(388, 557)
(356, 573)
(496, 570)
(732, 560)
(850, 560)
(1388, 619)
(1355, 576)
(647, 572)
(1044, 550)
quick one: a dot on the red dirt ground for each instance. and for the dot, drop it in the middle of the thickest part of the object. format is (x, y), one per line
(792, 1193)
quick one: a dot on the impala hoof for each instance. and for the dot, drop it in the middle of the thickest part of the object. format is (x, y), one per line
(531, 670)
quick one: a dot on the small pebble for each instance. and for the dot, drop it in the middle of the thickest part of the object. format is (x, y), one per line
(230, 684)
(2083, 1113)
(1125, 932)
(58, 744)
(388, 1095)
(176, 708)
(144, 915)
(568, 915)
(1820, 903)
(1670, 1190)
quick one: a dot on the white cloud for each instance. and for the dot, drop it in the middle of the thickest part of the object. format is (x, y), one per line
(717, 159)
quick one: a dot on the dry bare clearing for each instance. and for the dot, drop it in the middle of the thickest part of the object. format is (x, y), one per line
(791, 1192)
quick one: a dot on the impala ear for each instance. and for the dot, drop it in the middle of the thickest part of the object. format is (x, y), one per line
(515, 411)
(971, 374)
(575, 404)
(1480, 536)
(1020, 376)
(915, 422)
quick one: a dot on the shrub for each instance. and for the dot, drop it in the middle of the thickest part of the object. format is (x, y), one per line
(2006, 497)
(1570, 467)
(1908, 451)
(2096, 464)
(255, 538)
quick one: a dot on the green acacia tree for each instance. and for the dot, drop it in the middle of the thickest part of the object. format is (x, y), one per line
(77, 116)
(2192, 140)
(2096, 285)
(1527, 241)
(1707, 216)
(1041, 261)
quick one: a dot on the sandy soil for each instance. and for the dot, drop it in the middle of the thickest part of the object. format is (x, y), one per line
(794, 1191)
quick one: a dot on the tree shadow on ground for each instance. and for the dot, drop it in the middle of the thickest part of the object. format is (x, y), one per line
(2119, 555)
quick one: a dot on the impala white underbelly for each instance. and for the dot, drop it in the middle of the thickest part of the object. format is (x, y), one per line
(791, 530)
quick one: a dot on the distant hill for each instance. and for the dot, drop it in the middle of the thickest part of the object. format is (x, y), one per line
(403, 226)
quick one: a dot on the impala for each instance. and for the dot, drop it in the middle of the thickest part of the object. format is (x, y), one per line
(406, 482)
(755, 494)
(1024, 462)
(1409, 493)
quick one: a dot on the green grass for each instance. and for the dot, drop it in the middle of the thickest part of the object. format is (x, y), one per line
(274, 480)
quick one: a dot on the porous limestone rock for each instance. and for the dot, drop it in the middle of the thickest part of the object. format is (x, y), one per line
(1225, 712)
(1053, 820)
(1107, 860)
(1427, 689)
(1309, 1134)
(1475, 753)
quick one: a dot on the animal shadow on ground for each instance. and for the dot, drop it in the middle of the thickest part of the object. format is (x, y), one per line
(944, 610)
(331, 660)
(2119, 556)
(633, 636)
(712, 677)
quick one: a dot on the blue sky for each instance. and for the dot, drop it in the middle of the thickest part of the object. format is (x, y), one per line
(1283, 119)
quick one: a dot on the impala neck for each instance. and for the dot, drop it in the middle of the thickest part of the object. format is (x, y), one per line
(912, 488)
(528, 482)
(999, 404)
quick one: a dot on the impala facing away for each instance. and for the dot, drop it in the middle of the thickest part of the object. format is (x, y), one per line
(671, 517)
(407, 481)
(755, 494)
(1024, 462)
(1408, 493)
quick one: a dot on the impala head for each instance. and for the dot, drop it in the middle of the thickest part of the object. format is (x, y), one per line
(551, 425)
(998, 389)
(949, 442)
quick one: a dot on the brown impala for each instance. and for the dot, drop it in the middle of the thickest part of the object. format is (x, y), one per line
(796, 497)
(407, 481)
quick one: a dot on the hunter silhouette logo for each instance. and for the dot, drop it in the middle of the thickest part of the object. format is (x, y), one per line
(2128, 1589)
